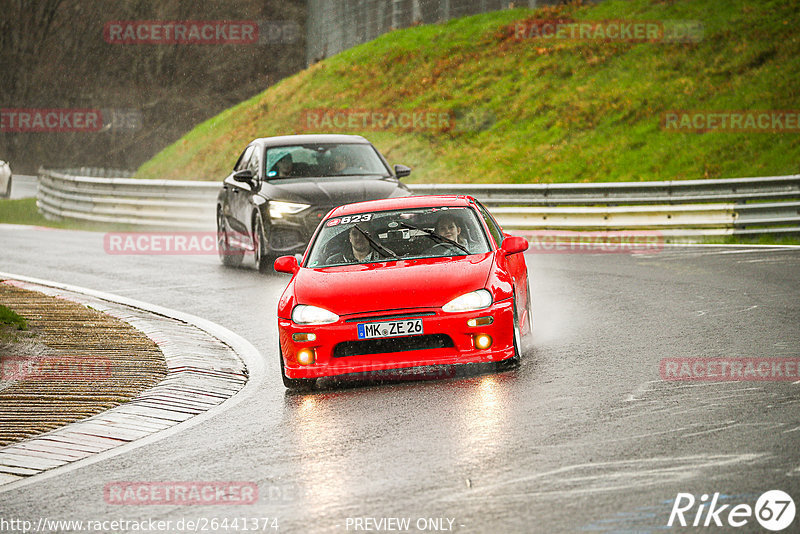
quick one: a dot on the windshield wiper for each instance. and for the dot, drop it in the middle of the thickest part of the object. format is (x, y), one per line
(440, 238)
(377, 246)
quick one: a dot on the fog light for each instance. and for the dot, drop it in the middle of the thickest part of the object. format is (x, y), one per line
(304, 337)
(305, 356)
(483, 341)
(480, 321)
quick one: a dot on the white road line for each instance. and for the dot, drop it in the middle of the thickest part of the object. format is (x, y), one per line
(726, 426)
(596, 477)
(642, 388)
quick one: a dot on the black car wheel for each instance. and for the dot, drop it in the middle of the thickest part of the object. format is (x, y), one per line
(515, 359)
(295, 384)
(228, 255)
(264, 261)
(529, 323)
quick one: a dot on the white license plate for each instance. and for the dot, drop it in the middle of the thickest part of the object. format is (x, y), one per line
(409, 327)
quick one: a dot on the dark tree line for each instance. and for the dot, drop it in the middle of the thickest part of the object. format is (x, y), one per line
(53, 55)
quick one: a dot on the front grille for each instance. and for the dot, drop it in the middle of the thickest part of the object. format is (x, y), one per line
(389, 317)
(285, 239)
(393, 344)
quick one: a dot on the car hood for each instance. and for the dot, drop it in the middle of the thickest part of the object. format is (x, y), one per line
(428, 283)
(333, 190)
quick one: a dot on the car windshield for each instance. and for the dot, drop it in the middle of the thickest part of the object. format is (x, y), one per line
(399, 234)
(323, 159)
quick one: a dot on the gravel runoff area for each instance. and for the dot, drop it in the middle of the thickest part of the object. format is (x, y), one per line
(101, 375)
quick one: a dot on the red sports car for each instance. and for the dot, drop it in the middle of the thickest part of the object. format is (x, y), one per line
(401, 283)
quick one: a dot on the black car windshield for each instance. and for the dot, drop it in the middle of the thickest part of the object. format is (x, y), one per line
(323, 159)
(399, 234)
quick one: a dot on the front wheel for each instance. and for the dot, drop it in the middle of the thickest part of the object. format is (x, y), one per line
(295, 384)
(263, 260)
(228, 255)
(515, 359)
(529, 311)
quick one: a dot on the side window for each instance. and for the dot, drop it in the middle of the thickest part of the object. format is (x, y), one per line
(494, 228)
(244, 159)
(255, 163)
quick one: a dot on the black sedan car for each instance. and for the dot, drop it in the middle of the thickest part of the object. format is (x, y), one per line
(282, 187)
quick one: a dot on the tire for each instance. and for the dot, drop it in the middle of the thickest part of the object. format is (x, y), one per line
(515, 359)
(264, 261)
(8, 187)
(529, 324)
(228, 255)
(295, 384)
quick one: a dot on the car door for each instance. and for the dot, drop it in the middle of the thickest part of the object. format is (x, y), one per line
(237, 200)
(246, 203)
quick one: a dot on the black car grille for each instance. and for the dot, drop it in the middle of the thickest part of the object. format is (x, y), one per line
(394, 344)
(285, 239)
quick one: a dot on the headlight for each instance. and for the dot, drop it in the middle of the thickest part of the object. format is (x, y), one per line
(278, 209)
(477, 300)
(302, 314)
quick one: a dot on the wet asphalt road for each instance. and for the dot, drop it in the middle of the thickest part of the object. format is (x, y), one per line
(584, 436)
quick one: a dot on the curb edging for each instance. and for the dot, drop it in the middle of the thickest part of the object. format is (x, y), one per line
(157, 412)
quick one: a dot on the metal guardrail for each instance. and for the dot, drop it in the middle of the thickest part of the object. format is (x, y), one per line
(71, 194)
(674, 208)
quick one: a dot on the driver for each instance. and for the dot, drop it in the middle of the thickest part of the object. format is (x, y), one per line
(359, 251)
(342, 162)
(338, 164)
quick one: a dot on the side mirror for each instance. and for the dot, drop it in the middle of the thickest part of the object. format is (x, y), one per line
(245, 175)
(401, 171)
(288, 264)
(514, 245)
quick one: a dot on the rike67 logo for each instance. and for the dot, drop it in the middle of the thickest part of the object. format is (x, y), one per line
(774, 510)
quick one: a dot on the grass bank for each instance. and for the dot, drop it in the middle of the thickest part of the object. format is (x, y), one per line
(540, 110)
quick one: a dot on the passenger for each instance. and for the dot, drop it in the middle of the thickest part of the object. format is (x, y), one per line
(449, 226)
(284, 166)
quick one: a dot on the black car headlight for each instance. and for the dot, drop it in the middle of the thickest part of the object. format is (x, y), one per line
(278, 209)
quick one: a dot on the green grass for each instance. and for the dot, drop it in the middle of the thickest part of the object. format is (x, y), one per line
(542, 111)
(21, 211)
(24, 211)
(11, 318)
(763, 239)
